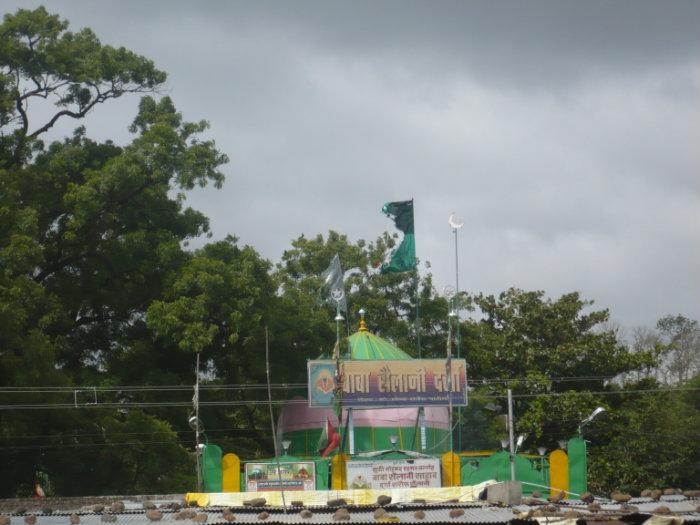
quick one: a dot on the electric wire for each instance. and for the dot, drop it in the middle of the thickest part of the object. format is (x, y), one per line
(263, 386)
(260, 402)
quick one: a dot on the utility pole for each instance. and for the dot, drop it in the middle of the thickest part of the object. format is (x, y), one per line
(511, 444)
(272, 420)
(197, 450)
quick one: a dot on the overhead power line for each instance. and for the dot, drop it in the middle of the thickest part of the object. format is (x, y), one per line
(262, 386)
(257, 402)
(89, 445)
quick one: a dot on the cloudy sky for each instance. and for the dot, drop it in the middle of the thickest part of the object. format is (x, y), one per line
(566, 135)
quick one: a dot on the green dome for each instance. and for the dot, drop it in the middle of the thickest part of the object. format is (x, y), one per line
(367, 346)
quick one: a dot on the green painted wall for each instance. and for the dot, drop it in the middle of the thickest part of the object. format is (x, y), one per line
(578, 472)
(212, 474)
(322, 474)
(532, 472)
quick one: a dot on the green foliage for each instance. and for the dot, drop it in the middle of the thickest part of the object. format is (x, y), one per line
(647, 441)
(89, 238)
(681, 359)
(388, 299)
(549, 351)
(40, 58)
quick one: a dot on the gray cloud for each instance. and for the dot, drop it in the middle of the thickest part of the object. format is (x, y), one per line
(564, 133)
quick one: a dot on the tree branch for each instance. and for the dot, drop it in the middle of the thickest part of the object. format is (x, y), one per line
(68, 113)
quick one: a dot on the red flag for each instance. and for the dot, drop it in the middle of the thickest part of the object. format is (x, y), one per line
(330, 439)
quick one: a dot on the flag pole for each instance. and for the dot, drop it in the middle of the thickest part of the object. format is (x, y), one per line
(449, 294)
(338, 295)
(416, 280)
(452, 221)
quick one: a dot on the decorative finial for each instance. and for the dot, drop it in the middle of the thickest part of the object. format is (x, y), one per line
(363, 326)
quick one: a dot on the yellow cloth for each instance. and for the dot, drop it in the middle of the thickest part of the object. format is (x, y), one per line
(657, 519)
(320, 497)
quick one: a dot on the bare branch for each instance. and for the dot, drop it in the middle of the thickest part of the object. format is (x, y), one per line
(69, 113)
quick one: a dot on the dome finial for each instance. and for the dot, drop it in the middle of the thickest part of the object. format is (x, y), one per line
(363, 326)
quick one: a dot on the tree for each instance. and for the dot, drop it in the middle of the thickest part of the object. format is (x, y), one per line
(218, 305)
(647, 441)
(682, 338)
(89, 236)
(388, 299)
(549, 351)
(40, 59)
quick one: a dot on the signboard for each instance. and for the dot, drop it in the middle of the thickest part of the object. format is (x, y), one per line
(393, 474)
(368, 384)
(292, 476)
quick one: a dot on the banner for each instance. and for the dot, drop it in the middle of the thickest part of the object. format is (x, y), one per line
(393, 474)
(397, 383)
(292, 476)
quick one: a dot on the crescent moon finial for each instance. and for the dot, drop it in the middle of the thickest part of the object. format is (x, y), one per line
(452, 221)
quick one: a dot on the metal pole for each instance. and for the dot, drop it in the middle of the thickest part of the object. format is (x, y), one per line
(417, 282)
(196, 428)
(448, 367)
(458, 335)
(351, 433)
(456, 282)
(272, 419)
(511, 444)
(338, 318)
(338, 394)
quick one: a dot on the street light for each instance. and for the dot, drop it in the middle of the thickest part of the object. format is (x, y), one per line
(195, 423)
(590, 418)
(285, 445)
(394, 439)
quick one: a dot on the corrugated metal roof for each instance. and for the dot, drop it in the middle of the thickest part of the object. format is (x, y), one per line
(472, 513)
(485, 515)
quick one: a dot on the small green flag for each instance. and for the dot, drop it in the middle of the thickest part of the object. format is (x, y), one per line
(403, 259)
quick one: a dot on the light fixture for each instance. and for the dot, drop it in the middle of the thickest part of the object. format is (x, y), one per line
(541, 451)
(339, 317)
(285, 445)
(562, 444)
(394, 439)
(201, 447)
(195, 423)
(594, 414)
(504, 444)
(597, 411)
(521, 440)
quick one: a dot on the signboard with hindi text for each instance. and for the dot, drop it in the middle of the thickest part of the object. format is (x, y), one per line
(391, 383)
(393, 474)
(298, 475)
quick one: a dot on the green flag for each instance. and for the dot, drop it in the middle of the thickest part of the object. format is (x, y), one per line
(403, 259)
